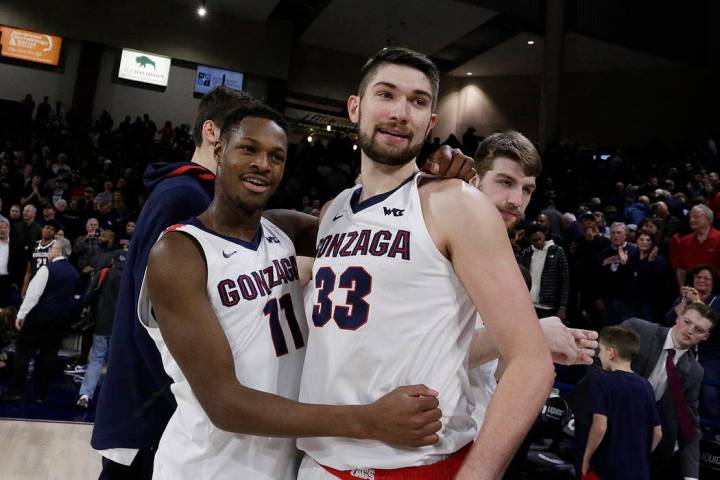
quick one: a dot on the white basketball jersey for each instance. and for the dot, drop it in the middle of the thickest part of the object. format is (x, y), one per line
(255, 293)
(388, 310)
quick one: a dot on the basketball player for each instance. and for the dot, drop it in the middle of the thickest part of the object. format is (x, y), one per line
(402, 264)
(221, 298)
(39, 256)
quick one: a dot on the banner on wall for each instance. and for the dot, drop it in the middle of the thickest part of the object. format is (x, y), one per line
(207, 78)
(144, 67)
(30, 46)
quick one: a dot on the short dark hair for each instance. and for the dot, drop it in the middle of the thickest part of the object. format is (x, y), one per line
(705, 311)
(256, 109)
(511, 144)
(405, 57)
(535, 228)
(215, 106)
(625, 341)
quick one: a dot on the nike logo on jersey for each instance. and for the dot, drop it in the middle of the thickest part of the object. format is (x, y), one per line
(337, 216)
(228, 255)
(395, 212)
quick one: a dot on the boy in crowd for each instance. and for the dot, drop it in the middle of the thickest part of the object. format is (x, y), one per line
(625, 424)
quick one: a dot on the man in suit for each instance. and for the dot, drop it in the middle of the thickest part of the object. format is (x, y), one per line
(677, 400)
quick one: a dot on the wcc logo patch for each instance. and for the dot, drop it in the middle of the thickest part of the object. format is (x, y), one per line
(395, 212)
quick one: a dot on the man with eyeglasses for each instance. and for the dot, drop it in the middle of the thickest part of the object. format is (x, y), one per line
(667, 359)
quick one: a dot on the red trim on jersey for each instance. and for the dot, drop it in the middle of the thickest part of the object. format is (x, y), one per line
(172, 228)
(443, 470)
(196, 170)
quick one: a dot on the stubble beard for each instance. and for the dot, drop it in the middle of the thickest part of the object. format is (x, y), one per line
(384, 156)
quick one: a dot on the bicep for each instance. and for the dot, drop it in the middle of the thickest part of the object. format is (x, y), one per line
(176, 281)
(482, 257)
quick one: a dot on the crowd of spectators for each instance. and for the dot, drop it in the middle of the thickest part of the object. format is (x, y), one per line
(609, 235)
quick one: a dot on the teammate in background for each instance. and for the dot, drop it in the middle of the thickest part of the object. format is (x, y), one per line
(625, 423)
(402, 264)
(39, 255)
(224, 288)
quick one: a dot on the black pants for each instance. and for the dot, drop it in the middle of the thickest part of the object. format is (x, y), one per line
(41, 335)
(5, 290)
(140, 469)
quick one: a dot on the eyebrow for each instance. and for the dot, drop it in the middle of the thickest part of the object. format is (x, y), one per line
(395, 87)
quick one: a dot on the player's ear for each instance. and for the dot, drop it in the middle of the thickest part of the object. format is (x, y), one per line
(353, 106)
(211, 132)
(217, 151)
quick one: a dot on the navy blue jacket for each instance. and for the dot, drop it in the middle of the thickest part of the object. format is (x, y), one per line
(57, 300)
(135, 401)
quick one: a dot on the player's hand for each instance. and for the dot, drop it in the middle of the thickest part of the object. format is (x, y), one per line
(408, 416)
(569, 346)
(450, 163)
(19, 322)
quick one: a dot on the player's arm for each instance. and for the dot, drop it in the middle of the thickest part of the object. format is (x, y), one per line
(176, 279)
(595, 437)
(568, 346)
(475, 240)
(300, 227)
(26, 279)
(657, 436)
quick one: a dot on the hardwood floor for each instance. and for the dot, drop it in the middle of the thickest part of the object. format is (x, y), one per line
(36, 450)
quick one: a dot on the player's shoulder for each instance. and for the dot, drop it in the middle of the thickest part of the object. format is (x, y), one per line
(452, 194)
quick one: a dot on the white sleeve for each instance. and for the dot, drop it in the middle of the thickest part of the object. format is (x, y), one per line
(34, 292)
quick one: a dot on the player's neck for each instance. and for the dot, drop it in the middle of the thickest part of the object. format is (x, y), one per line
(377, 178)
(203, 156)
(225, 218)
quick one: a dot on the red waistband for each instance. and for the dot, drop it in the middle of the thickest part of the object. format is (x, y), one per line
(442, 470)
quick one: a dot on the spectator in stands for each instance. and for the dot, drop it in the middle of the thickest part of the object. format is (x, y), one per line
(106, 251)
(549, 271)
(702, 246)
(660, 210)
(42, 115)
(571, 230)
(15, 214)
(702, 286)
(44, 314)
(86, 247)
(636, 212)
(5, 262)
(602, 225)
(27, 232)
(586, 268)
(650, 278)
(616, 278)
(126, 238)
(553, 214)
(32, 195)
(102, 297)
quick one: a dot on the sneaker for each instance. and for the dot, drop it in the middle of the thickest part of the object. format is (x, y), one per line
(83, 401)
(77, 369)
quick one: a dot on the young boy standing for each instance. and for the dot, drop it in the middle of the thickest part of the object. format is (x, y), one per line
(625, 426)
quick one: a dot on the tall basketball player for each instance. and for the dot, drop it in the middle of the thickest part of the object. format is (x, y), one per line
(402, 264)
(221, 298)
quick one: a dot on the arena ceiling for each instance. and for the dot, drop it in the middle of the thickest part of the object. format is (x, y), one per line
(490, 37)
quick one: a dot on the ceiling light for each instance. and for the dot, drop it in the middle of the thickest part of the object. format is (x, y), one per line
(309, 139)
(329, 128)
(469, 74)
(354, 147)
(531, 42)
(202, 11)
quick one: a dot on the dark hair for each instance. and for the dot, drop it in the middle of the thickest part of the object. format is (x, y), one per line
(215, 106)
(256, 109)
(697, 269)
(535, 228)
(705, 311)
(405, 57)
(511, 144)
(625, 341)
